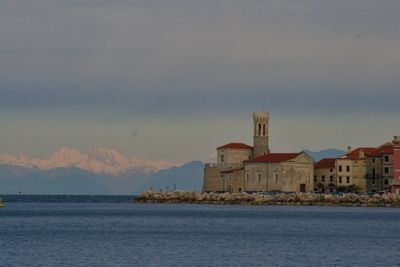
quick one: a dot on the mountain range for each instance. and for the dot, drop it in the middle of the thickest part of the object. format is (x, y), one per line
(97, 160)
(102, 172)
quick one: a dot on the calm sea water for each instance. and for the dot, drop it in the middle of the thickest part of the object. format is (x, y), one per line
(114, 232)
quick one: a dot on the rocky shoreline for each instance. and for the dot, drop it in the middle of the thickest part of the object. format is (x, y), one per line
(296, 199)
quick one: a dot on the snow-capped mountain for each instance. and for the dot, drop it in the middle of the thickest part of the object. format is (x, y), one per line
(97, 160)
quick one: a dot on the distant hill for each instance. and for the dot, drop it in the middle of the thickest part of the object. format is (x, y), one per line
(14, 180)
(78, 181)
(75, 181)
(188, 177)
(326, 153)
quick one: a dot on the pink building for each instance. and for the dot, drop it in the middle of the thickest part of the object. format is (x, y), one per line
(396, 165)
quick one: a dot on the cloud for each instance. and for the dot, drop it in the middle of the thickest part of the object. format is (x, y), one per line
(123, 60)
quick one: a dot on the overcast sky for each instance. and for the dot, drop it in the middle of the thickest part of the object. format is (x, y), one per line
(171, 80)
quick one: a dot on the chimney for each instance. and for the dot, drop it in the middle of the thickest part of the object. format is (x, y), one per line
(362, 154)
(348, 149)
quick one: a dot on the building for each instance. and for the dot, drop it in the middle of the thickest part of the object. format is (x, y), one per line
(241, 167)
(380, 168)
(396, 165)
(325, 175)
(351, 168)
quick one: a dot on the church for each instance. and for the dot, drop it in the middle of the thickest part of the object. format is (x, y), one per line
(244, 168)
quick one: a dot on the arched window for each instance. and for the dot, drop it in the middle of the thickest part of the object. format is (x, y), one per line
(259, 129)
(264, 133)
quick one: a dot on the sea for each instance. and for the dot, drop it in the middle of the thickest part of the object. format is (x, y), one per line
(113, 231)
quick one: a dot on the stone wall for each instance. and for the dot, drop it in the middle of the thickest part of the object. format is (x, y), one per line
(233, 156)
(212, 181)
(284, 176)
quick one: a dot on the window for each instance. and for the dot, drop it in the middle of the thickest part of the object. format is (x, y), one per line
(315, 178)
(258, 177)
(323, 178)
(348, 179)
(386, 170)
(340, 179)
(264, 132)
(373, 181)
(276, 177)
(340, 168)
(331, 179)
(386, 181)
(373, 160)
(331, 170)
(386, 158)
(222, 158)
(347, 168)
(373, 173)
(247, 177)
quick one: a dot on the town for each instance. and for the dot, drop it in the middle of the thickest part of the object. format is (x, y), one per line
(244, 168)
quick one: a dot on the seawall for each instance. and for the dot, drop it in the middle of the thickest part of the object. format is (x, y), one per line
(309, 199)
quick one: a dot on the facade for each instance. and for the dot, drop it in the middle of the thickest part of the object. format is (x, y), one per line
(241, 167)
(325, 175)
(289, 172)
(396, 165)
(380, 169)
(351, 169)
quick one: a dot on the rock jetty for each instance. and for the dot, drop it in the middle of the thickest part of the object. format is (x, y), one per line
(300, 199)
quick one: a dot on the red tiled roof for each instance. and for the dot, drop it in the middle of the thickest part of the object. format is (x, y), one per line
(235, 146)
(234, 170)
(325, 163)
(383, 149)
(355, 154)
(274, 157)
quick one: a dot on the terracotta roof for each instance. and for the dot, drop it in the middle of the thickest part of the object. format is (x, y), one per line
(355, 154)
(274, 157)
(383, 149)
(235, 146)
(233, 170)
(326, 163)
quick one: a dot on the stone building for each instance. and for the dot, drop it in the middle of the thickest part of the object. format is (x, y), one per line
(379, 174)
(325, 175)
(241, 167)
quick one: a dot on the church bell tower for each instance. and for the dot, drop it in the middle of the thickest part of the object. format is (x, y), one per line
(261, 147)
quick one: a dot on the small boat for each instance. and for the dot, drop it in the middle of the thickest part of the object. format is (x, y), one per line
(1, 204)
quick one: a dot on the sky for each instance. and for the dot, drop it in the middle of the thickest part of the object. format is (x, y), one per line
(173, 79)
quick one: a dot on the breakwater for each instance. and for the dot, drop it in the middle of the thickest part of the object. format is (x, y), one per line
(385, 200)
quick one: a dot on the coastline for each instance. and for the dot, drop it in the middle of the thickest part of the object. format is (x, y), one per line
(293, 199)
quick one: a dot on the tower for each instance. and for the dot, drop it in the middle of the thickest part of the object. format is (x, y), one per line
(261, 120)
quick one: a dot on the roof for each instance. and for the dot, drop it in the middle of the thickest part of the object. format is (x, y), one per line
(355, 154)
(383, 149)
(274, 157)
(236, 146)
(326, 163)
(233, 170)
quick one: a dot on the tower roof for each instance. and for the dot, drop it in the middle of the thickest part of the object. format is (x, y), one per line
(236, 146)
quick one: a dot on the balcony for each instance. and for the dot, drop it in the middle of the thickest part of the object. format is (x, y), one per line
(370, 176)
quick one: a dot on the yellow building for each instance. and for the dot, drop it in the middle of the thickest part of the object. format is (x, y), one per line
(351, 168)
